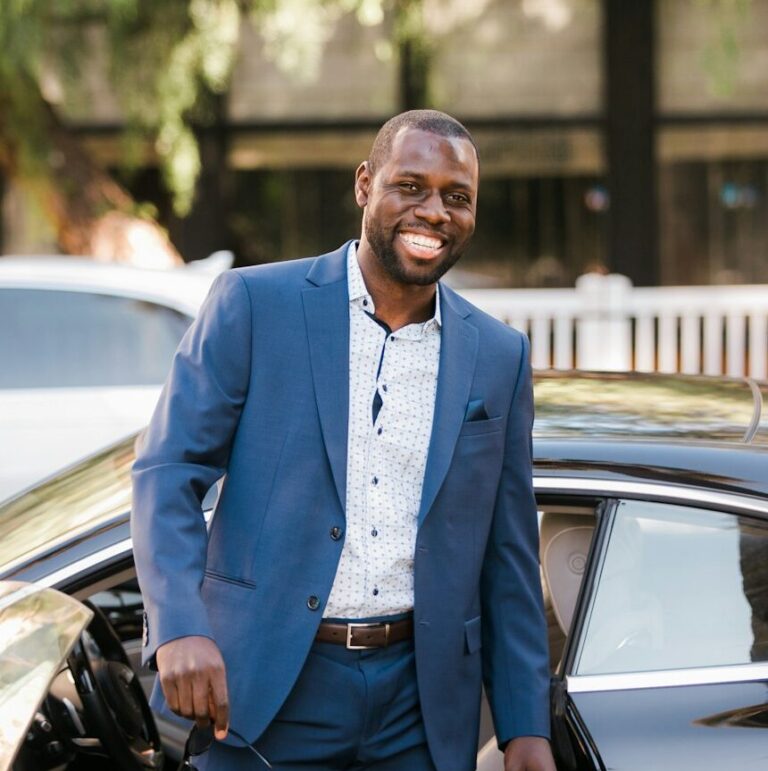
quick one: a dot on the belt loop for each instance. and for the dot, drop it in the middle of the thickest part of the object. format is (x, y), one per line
(386, 634)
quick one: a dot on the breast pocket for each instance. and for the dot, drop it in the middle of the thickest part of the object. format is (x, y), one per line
(478, 427)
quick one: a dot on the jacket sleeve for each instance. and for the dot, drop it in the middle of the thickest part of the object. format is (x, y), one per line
(184, 451)
(515, 656)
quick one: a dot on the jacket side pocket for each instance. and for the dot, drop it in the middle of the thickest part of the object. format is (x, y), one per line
(473, 635)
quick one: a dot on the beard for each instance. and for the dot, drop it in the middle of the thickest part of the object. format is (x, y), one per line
(382, 243)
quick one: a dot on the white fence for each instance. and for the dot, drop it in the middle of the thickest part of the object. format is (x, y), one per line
(607, 324)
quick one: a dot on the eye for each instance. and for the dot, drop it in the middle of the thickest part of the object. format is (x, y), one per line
(459, 198)
(408, 187)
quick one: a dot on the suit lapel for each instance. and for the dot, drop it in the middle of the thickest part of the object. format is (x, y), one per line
(458, 351)
(326, 314)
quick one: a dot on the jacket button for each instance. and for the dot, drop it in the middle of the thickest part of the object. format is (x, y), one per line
(313, 603)
(335, 533)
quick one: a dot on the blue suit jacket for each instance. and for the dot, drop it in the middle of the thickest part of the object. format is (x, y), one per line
(259, 391)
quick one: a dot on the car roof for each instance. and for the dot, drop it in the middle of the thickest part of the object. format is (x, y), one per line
(70, 506)
(650, 407)
(183, 288)
(681, 430)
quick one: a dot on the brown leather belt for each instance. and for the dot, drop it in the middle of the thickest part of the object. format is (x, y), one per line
(361, 636)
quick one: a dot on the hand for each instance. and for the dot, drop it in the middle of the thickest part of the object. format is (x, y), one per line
(193, 679)
(528, 753)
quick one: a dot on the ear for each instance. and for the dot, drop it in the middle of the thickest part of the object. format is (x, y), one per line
(363, 181)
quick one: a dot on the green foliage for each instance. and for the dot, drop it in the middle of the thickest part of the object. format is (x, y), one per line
(721, 56)
(164, 60)
(21, 121)
(296, 31)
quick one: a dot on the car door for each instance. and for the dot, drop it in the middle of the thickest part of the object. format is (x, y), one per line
(79, 371)
(667, 663)
(567, 526)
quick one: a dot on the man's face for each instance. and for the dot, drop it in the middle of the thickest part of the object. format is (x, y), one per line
(419, 206)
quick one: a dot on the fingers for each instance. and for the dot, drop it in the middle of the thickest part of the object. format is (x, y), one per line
(171, 694)
(219, 703)
(193, 679)
(191, 698)
(178, 693)
(199, 697)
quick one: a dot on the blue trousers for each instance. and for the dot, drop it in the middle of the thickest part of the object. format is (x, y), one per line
(349, 710)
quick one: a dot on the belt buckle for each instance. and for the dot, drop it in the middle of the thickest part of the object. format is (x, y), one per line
(368, 625)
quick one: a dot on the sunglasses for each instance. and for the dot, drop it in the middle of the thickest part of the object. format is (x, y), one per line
(200, 741)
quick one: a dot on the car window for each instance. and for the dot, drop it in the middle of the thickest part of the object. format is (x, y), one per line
(62, 339)
(123, 606)
(565, 536)
(678, 587)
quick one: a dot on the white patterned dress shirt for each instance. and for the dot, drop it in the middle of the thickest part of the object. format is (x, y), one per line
(392, 376)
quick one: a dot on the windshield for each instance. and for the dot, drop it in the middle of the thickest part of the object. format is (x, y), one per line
(39, 628)
(58, 511)
(64, 339)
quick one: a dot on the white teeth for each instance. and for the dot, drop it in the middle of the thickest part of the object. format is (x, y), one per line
(425, 241)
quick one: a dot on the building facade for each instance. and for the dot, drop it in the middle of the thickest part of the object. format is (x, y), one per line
(614, 136)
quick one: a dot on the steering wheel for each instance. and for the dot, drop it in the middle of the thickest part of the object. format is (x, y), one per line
(115, 707)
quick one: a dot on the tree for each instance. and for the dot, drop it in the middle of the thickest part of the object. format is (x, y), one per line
(720, 57)
(168, 62)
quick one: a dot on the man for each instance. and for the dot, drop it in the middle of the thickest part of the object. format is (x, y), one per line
(374, 547)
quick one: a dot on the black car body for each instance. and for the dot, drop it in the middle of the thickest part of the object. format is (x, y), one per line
(653, 498)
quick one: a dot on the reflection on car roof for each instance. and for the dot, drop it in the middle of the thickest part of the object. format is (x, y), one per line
(648, 406)
(67, 506)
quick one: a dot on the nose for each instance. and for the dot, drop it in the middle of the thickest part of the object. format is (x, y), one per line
(432, 209)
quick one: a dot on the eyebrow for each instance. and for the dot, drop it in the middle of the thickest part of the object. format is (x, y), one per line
(418, 175)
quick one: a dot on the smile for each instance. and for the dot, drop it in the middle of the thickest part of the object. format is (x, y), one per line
(422, 245)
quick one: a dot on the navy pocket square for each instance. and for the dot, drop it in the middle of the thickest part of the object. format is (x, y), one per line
(475, 411)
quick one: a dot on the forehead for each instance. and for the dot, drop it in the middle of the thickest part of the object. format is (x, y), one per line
(427, 153)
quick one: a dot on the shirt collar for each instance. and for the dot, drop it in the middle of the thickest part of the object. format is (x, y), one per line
(361, 298)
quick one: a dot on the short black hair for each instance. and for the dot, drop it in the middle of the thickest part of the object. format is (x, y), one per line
(433, 121)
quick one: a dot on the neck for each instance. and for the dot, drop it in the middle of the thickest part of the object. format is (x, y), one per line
(397, 304)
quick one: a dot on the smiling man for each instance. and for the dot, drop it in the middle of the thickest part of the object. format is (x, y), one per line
(374, 552)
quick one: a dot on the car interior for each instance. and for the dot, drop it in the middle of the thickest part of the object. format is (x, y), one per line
(68, 734)
(565, 536)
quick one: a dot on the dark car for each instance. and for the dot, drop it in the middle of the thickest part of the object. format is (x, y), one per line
(653, 500)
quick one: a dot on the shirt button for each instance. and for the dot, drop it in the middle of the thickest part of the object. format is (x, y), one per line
(374, 532)
(375, 592)
(384, 388)
(380, 429)
(335, 533)
(365, 302)
(313, 603)
(375, 481)
(392, 338)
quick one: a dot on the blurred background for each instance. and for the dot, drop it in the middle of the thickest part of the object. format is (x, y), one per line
(622, 137)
